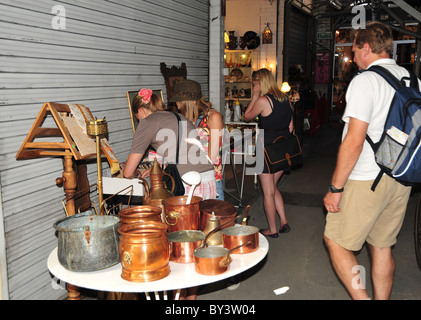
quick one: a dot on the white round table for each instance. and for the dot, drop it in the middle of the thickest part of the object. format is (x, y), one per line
(181, 275)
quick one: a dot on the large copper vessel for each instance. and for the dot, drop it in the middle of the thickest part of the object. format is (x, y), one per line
(139, 214)
(157, 192)
(182, 216)
(144, 251)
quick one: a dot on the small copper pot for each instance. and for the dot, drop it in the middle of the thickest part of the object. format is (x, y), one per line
(223, 210)
(183, 243)
(139, 214)
(179, 215)
(212, 261)
(236, 236)
(143, 251)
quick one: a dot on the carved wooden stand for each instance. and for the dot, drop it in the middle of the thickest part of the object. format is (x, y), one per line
(68, 149)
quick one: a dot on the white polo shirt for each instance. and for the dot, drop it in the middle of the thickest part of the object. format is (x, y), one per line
(368, 99)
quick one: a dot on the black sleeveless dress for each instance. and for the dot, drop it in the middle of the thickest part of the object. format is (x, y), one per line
(277, 123)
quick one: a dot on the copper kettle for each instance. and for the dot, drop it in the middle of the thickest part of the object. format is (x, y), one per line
(157, 191)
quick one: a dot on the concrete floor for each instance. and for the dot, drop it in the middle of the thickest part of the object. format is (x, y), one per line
(299, 259)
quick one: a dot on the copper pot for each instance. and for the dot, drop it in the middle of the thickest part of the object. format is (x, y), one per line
(179, 215)
(236, 236)
(139, 214)
(223, 210)
(211, 261)
(143, 251)
(183, 243)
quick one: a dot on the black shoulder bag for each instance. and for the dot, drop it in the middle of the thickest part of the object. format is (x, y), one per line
(171, 168)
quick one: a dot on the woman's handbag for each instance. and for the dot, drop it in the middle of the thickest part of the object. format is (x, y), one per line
(283, 153)
(172, 170)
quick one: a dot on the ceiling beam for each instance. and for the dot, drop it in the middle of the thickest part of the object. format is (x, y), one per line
(407, 8)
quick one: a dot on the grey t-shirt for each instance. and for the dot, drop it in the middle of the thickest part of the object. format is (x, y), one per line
(160, 130)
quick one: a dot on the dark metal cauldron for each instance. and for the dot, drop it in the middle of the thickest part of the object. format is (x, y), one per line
(87, 242)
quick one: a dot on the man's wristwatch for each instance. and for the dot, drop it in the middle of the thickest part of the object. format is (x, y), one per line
(335, 190)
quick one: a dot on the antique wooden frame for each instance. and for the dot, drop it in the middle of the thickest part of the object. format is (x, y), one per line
(171, 76)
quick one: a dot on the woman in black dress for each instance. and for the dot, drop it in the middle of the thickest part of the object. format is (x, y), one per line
(275, 113)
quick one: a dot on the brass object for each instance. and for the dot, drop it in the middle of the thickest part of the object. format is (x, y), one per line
(98, 129)
(144, 251)
(213, 223)
(223, 210)
(157, 192)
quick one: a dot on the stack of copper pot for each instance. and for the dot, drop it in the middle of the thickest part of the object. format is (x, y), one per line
(166, 228)
(144, 243)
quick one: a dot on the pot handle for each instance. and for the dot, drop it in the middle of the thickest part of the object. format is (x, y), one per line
(145, 184)
(172, 215)
(245, 215)
(172, 180)
(226, 260)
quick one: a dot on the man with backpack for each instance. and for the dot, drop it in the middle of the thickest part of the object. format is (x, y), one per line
(356, 213)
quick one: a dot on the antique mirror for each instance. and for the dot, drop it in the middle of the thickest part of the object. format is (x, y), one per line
(130, 97)
(171, 76)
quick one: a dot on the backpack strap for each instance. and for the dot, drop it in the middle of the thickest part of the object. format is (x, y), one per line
(396, 84)
(179, 134)
(387, 75)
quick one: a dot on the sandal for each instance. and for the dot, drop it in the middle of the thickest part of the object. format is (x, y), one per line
(272, 235)
(285, 228)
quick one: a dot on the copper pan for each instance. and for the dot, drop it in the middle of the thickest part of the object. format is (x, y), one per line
(213, 260)
(238, 235)
(183, 243)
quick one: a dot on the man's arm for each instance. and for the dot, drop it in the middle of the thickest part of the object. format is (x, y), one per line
(348, 155)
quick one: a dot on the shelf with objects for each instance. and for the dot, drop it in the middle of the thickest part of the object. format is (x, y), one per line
(239, 66)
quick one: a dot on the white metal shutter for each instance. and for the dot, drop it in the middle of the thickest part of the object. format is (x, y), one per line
(106, 49)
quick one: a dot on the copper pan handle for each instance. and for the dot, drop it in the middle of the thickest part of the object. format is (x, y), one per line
(226, 260)
(245, 215)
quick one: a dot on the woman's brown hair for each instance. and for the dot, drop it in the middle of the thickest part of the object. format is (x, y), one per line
(156, 104)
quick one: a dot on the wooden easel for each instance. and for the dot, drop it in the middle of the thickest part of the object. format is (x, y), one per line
(75, 146)
(70, 149)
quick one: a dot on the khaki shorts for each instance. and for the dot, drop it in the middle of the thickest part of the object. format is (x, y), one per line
(375, 217)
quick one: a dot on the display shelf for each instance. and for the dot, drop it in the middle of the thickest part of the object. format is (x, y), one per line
(239, 65)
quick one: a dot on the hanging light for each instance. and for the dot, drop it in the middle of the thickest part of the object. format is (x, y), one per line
(226, 37)
(285, 87)
(267, 35)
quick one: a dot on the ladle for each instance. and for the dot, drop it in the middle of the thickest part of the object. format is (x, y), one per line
(192, 178)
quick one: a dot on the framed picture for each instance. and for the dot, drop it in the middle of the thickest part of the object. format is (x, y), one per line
(130, 96)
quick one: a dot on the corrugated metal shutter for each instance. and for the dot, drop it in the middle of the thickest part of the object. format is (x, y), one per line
(106, 49)
(296, 39)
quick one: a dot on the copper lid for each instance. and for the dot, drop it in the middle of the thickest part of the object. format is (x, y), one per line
(221, 208)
